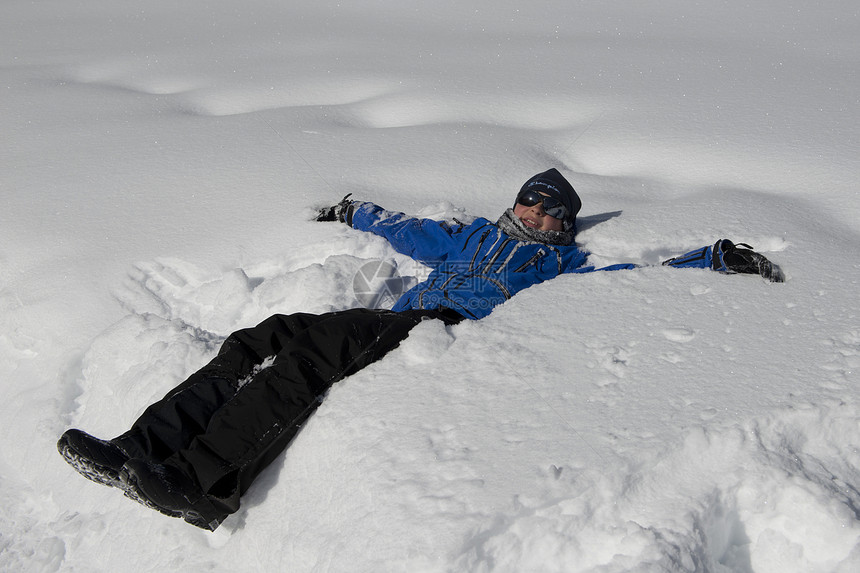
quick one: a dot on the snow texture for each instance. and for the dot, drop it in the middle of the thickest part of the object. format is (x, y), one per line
(161, 165)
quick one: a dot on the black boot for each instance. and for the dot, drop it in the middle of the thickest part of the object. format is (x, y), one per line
(168, 490)
(95, 459)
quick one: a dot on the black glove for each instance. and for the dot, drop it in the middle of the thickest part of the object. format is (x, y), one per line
(731, 258)
(335, 212)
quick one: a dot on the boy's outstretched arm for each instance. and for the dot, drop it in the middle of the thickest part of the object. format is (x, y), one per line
(727, 257)
(425, 240)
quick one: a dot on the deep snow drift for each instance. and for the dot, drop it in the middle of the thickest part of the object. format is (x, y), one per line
(161, 162)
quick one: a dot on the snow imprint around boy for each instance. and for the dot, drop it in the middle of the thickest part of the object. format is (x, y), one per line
(180, 312)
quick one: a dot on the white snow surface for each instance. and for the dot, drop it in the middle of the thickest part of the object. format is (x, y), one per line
(161, 161)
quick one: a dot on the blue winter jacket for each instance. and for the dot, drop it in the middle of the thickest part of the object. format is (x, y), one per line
(475, 267)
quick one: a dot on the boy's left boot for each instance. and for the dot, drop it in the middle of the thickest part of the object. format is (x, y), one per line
(95, 459)
(168, 490)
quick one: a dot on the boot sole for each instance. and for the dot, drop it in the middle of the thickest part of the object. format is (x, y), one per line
(92, 471)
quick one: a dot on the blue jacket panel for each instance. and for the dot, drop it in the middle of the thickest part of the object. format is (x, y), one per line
(702, 258)
(475, 267)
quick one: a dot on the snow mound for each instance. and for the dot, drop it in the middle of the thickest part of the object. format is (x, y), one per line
(772, 495)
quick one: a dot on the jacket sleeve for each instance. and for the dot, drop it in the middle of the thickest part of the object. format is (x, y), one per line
(592, 268)
(424, 240)
(702, 258)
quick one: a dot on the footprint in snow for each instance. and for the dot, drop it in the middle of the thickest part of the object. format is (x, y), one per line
(679, 334)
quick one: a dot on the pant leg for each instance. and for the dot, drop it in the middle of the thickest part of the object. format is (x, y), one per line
(170, 424)
(264, 415)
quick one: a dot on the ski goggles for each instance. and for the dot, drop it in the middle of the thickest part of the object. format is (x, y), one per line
(551, 206)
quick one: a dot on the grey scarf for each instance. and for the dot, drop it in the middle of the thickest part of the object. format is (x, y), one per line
(511, 225)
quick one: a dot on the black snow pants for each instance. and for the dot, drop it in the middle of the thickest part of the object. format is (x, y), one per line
(230, 419)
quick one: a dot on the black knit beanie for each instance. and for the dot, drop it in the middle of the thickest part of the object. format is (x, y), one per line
(553, 183)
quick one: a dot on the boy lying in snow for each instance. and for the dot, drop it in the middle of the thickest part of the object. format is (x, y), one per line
(196, 451)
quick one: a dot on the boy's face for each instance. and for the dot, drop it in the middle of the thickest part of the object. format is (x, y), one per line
(536, 218)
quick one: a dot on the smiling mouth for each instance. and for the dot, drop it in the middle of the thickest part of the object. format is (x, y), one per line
(530, 222)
